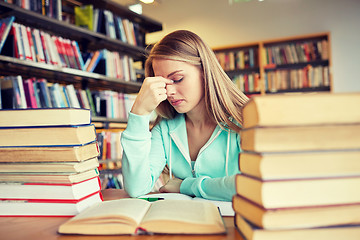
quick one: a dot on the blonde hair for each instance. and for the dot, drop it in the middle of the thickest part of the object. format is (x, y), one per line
(223, 100)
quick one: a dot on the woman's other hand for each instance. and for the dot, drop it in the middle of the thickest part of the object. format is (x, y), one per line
(151, 94)
(172, 186)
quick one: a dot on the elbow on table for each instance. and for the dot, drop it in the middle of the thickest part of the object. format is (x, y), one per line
(135, 192)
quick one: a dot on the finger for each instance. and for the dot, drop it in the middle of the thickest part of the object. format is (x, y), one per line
(168, 81)
(159, 85)
(162, 189)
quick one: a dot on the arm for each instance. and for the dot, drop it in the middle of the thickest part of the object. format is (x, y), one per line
(143, 158)
(210, 188)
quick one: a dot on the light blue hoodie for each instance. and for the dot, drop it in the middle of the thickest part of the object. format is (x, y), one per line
(146, 153)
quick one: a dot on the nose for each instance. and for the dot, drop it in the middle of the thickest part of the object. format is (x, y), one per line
(170, 90)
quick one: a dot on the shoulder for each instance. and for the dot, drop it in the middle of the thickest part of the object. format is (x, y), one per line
(172, 123)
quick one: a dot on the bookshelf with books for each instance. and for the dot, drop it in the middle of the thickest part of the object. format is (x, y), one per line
(83, 42)
(292, 64)
(68, 66)
(241, 63)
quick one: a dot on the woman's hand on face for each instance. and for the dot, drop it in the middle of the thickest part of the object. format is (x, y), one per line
(151, 94)
(172, 186)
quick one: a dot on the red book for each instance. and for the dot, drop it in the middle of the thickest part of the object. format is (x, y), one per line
(45, 47)
(31, 207)
(2, 29)
(30, 93)
(49, 191)
(61, 51)
(70, 53)
(31, 44)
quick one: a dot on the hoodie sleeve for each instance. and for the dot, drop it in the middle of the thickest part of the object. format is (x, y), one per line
(209, 188)
(143, 157)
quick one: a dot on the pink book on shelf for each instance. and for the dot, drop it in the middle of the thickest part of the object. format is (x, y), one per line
(30, 93)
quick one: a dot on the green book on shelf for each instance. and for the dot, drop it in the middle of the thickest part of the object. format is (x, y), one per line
(84, 16)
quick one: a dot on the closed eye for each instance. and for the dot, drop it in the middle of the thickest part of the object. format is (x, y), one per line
(178, 80)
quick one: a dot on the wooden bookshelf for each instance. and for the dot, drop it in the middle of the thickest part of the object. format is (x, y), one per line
(291, 64)
(87, 41)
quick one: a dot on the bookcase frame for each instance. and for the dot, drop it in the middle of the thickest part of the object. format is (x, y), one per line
(262, 68)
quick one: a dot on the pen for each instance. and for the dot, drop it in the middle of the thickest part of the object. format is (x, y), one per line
(152, 199)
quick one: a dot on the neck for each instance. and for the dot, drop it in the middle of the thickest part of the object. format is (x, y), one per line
(199, 117)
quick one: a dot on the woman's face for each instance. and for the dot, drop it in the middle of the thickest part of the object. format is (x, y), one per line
(187, 91)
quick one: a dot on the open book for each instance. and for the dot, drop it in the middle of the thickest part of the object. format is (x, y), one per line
(135, 216)
(225, 207)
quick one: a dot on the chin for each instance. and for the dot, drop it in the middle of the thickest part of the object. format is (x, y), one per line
(181, 110)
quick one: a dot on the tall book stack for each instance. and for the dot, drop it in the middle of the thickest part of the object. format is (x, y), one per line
(300, 168)
(48, 162)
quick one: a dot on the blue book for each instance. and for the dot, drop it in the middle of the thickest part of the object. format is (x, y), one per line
(94, 62)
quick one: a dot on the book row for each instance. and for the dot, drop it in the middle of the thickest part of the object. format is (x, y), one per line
(299, 52)
(109, 180)
(94, 19)
(300, 167)
(284, 79)
(109, 146)
(247, 83)
(109, 24)
(50, 8)
(110, 64)
(36, 45)
(308, 77)
(17, 92)
(238, 59)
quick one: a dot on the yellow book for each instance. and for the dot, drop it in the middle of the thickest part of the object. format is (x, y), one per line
(84, 16)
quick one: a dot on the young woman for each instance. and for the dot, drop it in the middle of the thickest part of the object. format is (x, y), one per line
(196, 132)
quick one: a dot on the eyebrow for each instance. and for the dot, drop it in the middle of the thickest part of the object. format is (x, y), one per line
(173, 73)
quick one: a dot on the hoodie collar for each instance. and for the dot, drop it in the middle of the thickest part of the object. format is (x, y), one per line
(178, 133)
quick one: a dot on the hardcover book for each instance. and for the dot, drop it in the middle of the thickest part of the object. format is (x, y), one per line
(44, 117)
(30, 207)
(49, 191)
(49, 177)
(250, 232)
(301, 138)
(301, 109)
(47, 154)
(299, 192)
(297, 218)
(47, 136)
(305, 164)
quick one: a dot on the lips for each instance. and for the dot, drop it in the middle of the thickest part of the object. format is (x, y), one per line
(176, 102)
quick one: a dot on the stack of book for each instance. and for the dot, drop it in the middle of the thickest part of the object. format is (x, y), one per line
(300, 168)
(48, 162)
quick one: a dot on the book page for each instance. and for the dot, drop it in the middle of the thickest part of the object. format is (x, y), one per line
(107, 218)
(132, 210)
(183, 216)
(174, 196)
(225, 207)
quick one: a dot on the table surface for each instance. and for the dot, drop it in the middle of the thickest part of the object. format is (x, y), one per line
(39, 228)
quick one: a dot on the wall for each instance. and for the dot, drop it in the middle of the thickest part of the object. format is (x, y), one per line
(221, 24)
